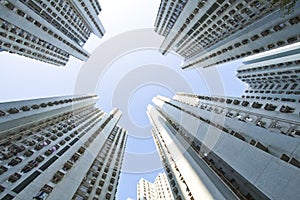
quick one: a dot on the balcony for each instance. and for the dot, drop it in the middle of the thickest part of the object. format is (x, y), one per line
(245, 103)
(15, 161)
(48, 152)
(58, 176)
(35, 106)
(3, 169)
(261, 124)
(75, 157)
(256, 105)
(228, 101)
(2, 188)
(295, 132)
(43, 105)
(81, 150)
(29, 166)
(236, 102)
(68, 165)
(16, 149)
(28, 153)
(2, 113)
(287, 109)
(270, 107)
(39, 159)
(14, 177)
(41, 195)
(13, 111)
(25, 108)
(98, 191)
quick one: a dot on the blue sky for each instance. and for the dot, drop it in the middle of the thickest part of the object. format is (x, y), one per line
(128, 81)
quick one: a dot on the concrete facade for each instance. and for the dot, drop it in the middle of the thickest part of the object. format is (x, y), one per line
(217, 148)
(159, 190)
(208, 33)
(49, 30)
(59, 148)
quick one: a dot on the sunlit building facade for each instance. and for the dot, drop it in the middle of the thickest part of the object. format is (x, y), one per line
(49, 31)
(227, 147)
(59, 148)
(159, 190)
(220, 147)
(208, 33)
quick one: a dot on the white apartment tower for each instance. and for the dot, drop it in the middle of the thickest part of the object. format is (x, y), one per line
(159, 190)
(227, 147)
(247, 147)
(59, 148)
(49, 30)
(207, 33)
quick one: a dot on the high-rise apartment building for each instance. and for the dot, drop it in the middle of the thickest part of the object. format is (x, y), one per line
(247, 147)
(159, 190)
(207, 33)
(49, 30)
(273, 75)
(59, 148)
(227, 147)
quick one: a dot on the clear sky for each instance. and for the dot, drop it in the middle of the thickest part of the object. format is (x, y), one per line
(126, 71)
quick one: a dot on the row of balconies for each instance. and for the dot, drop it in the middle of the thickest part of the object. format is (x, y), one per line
(291, 78)
(90, 15)
(269, 98)
(65, 27)
(193, 48)
(167, 14)
(58, 176)
(26, 108)
(266, 85)
(30, 54)
(272, 67)
(50, 32)
(71, 13)
(162, 8)
(292, 73)
(29, 152)
(29, 38)
(167, 166)
(260, 123)
(235, 20)
(247, 53)
(34, 163)
(273, 92)
(284, 109)
(48, 18)
(44, 124)
(174, 16)
(34, 144)
(249, 117)
(96, 6)
(88, 183)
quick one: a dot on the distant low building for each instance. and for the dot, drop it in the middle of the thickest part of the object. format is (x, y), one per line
(159, 190)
